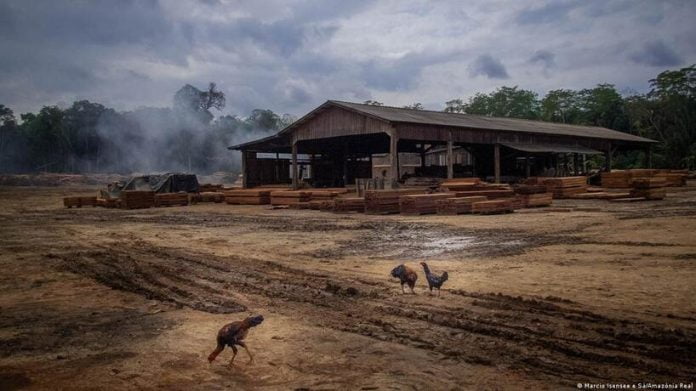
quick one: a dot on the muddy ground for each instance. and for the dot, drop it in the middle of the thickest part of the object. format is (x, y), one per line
(115, 299)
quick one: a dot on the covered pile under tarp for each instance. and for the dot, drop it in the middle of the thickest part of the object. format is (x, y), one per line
(160, 183)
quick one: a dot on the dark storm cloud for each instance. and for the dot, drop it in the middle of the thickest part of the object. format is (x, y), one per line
(555, 11)
(487, 65)
(545, 58)
(655, 54)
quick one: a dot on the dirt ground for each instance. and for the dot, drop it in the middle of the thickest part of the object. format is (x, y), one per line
(116, 299)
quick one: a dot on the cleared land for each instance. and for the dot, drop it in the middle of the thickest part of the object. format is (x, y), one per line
(133, 299)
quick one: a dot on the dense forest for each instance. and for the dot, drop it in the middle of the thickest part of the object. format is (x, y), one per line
(88, 137)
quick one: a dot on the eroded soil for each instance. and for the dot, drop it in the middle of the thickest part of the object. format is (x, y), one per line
(133, 299)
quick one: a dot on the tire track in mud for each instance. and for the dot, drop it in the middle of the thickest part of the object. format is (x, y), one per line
(549, 338)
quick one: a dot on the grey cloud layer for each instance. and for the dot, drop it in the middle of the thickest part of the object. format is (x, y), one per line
(292, 55)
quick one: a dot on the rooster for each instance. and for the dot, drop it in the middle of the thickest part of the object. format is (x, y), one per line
(233, 334)
(433, 280)
(406, 275)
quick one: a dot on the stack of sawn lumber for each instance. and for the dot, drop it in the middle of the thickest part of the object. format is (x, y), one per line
(458, 205)
(386, 201)
(290, 197)
(209, 187)
(349, 204)
(137, 199)
(248, 196)
(172, 199)
(79, 202)
(492, 207)
(208, 196)
(565, 187)
(460, 184)
(531, 196)
(420, 204)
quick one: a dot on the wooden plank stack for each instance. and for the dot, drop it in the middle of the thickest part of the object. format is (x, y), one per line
(460, 184)
(171, 199)
(248, 196)
(564, 187)
(290, 197)
(492, 207)
(209, 187)
(208, 196)
(490, 192)
(386, 201)
(529, 189)
(673, 178)
(349, 204)
(420, 204)
(137, 199)
(535, 200)
(459, 205)
(109, 202)
(79, 202)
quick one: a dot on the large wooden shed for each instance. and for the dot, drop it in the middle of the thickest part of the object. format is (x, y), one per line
(338, 140)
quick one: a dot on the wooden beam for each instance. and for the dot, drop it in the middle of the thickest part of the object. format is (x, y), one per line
(393, 155)
(648, 157)
(295, 178)
(245, 173)
(496, 162)
(576, 164)
(607, 160)
(450, 160)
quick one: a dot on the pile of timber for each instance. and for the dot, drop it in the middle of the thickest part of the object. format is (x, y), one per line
(386, 201)
(208, 196)
(674, 178)
(296, 205)
(172, 199)
(137, 199)
(623, 179)
(325, 194)
(534, 200)
(248, 196)
(455, 206)
(600, 195)
(349, 204)
(109, 202)
(565, 187)
(529, 189)
(649, 188)
(290, 197)
(423, 181)
(420, 204)
(209, 188)
(490, 191)
(79, 202)
(460, 184)
(492, 207)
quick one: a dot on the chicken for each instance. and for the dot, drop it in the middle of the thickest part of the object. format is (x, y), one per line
(406, 275)
(233, 334)
(433, 280)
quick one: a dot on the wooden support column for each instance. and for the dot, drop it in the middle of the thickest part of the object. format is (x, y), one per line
(245, 173)
(576, 164)
(527, 167)
(295, 178)
(496, 162)
(277, 168)
(422, 156)
(607, 160)
(394, 155)
(648, 157)
(450, 158)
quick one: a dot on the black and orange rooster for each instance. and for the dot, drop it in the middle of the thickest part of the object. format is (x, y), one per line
(433, 280)
(233, 334)
(406, 275)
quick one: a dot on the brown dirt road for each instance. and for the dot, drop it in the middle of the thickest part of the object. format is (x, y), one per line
(95, 298)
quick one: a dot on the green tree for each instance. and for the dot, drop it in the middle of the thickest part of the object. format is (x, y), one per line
(561, 106)
(414, 106)
(503, 102)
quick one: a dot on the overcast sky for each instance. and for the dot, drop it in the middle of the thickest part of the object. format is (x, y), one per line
(292, 55)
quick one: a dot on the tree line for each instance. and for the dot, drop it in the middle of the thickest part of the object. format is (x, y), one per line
(89, 137)
(667, 113)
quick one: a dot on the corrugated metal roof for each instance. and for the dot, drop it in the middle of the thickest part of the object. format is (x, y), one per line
(536, 147)
(396, 114)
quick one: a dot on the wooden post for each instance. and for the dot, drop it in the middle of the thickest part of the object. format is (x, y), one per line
(295, 178)
(607, 158)
(422, 156)
(245, 174)
(576, 164)
(450, 159)
(584, 163)
(394, 155)
(496, 162)
(527, 168)
(648, 157)
(277, 168)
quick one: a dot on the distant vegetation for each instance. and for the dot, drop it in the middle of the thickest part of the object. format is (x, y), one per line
(88, 137)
